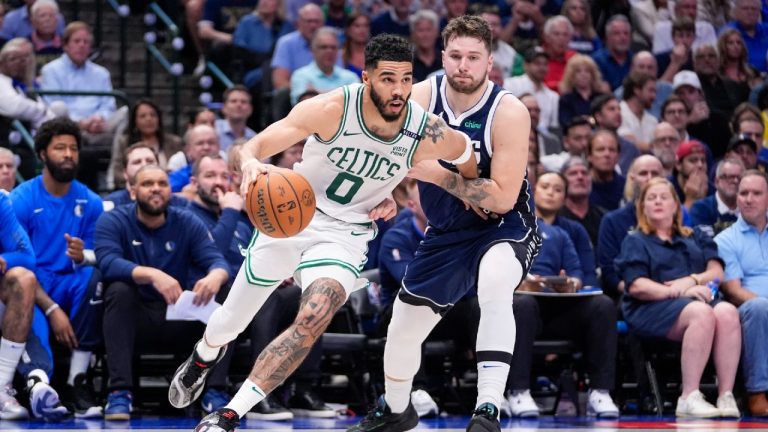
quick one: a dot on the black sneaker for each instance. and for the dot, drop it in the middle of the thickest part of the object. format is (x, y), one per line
(382, 419)
(269, 409)
(485, 419)
(81, 400)
(188, 381)
(223, 420)
(306, 403)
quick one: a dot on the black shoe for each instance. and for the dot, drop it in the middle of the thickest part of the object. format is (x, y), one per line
(382, 419)
(189, 380)
(223, 420)
(81, 400)
(485, 419)
(306, 403)
(269, 409)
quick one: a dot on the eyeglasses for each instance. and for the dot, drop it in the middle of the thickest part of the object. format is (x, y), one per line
(327, 47)
(730, 178)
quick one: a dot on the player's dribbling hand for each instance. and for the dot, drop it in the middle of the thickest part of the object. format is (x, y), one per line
(252, 169)
(386, 209)
(167, 286)
(205, 289)
(75, 247)
(62, 328)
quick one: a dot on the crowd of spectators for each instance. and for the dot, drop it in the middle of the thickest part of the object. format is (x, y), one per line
(646, 161)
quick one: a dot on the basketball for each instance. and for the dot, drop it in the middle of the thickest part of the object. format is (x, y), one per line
(280, 203)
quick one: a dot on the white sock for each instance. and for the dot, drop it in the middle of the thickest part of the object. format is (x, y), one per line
(246, 398)
(10, 353)
(397, 394)
(206, 352)
(78, 365)
(491, 380)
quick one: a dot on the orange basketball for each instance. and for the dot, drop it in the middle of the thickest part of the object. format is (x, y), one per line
(281, 203)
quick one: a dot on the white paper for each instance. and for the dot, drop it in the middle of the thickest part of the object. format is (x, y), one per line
(185, 310)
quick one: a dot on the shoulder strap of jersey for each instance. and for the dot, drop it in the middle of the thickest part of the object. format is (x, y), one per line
(350, 99)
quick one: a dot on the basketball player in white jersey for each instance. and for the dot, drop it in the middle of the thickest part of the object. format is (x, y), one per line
(489, 250)
(362, 141)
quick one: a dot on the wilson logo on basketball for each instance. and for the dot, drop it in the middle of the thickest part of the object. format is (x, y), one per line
(261, 213)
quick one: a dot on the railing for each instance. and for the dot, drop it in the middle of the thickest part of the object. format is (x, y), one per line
(22, 134)
(117, 94)
(173, 66)
(123, 11)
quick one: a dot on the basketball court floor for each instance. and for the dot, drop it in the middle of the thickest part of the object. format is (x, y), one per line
(447, 424)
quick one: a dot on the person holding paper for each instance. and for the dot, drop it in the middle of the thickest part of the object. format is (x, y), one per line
(145, 251)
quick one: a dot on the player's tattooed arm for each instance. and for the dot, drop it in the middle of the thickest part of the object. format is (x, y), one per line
(434, 131)
(283, 355)
(473, 191)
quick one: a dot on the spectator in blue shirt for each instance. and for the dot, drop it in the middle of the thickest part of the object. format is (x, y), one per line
(293, 50)
(666, 268)
(618, 223)
(718, 211)
(201, 140)
(615, 58)
(146, 251)
(592, 317)
(18, 23)
(236, 111)
(746, 15)
(742, 247)
(59, 214)
(393, 20)
(607, 184)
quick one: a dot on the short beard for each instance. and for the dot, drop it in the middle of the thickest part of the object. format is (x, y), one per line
(210, 199)
(468, 88)
(147, 208)
(378, 101)
(61, 175)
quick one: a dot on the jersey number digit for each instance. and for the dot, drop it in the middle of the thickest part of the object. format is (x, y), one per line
(343, 179)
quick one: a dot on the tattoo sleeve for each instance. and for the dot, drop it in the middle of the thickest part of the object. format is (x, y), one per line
(470, 190)
(285, 353)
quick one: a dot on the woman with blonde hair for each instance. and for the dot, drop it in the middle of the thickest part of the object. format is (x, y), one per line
(668, 270)
(582, 82)
(734, 61)
(584, 39)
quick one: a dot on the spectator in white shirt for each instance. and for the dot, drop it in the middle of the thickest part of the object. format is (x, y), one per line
(662, 38)
(536, 67)
(637, 123)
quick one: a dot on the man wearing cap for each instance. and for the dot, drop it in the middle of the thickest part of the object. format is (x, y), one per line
(705, 124)
(690, 175)
(532, 81)
(746, 142)
(718, 211)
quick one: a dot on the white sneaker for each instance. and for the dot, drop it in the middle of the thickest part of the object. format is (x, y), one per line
(10, 409)
(727, 406)
(601, 405)
(44, 401)
(522, 404)
(695, 406)
(424, 404)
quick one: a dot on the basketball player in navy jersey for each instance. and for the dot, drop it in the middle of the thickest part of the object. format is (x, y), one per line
(490, 248)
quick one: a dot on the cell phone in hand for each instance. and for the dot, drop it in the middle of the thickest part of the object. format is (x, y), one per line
(555, 280)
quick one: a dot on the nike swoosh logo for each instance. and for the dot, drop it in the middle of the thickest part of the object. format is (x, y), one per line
(208, 407)
(347, 133)
(136, 243)
(354, 233)
(257, 391)
(489, 366)
(37, 210)
(93, 302)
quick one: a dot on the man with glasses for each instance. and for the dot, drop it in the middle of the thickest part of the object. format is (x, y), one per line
(718, 211)
(322, 74)
(666, 140)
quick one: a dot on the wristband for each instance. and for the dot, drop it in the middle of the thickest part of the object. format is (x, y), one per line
(468, 151)
(695, 279)
(51, 308)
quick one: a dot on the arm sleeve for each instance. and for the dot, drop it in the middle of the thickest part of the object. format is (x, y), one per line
(17, 106)
(15, 247)
(571, 263)
(95, 209)
(203, 249)
(608, 246)
(110, 255)
(633, 261)
(726, 249)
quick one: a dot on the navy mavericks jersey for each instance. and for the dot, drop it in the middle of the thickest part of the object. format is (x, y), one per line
(446, 212)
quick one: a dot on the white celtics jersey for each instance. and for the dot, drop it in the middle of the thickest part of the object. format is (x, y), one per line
(355, 170)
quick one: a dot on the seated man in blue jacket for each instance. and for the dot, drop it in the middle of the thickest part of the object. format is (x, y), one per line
(590, 319)
(145, 251)
(718, 211)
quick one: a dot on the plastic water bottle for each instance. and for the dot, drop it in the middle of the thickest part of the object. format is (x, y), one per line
(713, 286)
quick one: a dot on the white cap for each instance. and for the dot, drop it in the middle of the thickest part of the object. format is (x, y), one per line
(686, 77)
